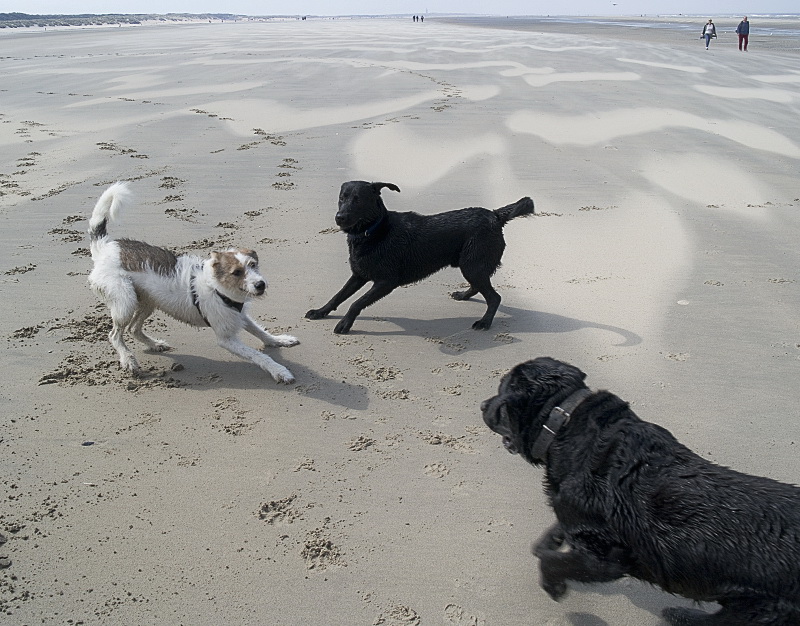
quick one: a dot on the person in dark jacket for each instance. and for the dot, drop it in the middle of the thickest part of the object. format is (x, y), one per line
(709, 32)
(743, 30)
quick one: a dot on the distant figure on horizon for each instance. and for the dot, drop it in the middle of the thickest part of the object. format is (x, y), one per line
(709, 32)
(743, 30)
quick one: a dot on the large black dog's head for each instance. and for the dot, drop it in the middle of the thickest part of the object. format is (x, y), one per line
(524, 399)
(360, 205)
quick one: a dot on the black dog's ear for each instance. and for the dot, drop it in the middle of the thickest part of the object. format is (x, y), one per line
(378, 186)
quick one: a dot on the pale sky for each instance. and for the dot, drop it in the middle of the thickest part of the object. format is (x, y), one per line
(380, 7)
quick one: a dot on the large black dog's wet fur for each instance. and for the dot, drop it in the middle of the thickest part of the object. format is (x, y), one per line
(631, 500)
(391, 249)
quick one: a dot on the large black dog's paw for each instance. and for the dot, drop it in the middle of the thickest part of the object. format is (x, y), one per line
(482, 325)
(316, 314)
(554, 589)
(677, 616)
(344, 326)
(462, 295)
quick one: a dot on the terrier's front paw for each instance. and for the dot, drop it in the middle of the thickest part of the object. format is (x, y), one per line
(130, 365)
(286, 341)
(283, 376)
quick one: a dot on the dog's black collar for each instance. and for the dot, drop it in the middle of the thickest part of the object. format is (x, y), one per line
(371, 230)
(234, 304)
(558, 418)
(196, 299)
(228, 301)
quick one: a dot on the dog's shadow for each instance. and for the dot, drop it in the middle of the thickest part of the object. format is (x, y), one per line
(644, 596)
(243, 375)
(504, 330)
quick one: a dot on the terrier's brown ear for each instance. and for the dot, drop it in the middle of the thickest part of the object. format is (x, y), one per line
(215, 258)
(378, 186)
(251, 253)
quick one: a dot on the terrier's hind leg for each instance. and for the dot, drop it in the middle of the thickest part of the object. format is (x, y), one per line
(122, 305)
(136, 324)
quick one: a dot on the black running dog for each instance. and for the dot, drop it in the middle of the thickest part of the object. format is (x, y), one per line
(631, 500)
(392, 249)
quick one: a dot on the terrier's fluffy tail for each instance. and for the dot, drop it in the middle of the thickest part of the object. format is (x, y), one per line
(522, 207)
(107, 209)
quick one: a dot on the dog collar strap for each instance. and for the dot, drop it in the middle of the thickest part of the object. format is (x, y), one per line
(196, 300)
(558, 418)
(231, 303)
(371, 230)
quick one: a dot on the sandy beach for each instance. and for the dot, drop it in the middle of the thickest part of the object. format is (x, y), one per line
(663, 262)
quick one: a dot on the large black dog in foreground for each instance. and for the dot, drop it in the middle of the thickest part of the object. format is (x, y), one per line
(393, 249)
(631, 500)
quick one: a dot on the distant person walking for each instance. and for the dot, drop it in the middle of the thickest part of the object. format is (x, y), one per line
(743, 30)
(709, 32)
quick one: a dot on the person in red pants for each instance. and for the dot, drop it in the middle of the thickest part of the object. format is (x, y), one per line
(743, 30)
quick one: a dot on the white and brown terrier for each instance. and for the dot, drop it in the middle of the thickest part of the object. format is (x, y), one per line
(135, 278)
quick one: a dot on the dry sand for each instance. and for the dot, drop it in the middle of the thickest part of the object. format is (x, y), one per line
(664, 262)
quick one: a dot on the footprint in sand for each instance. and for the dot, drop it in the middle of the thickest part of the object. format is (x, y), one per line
(277, 512)
(398, 615)
(319, 552)
(437, 470)
(454, 614)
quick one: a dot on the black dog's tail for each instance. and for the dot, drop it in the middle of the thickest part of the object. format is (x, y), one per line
(522, 207)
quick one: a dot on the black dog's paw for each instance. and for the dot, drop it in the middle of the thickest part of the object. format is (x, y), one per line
(461, 295)
(343, 327)
(481, 325)
(315, 314)
(677, 616)
(555, 590)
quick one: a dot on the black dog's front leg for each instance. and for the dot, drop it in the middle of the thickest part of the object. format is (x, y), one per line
(376, 292)
(552, 539)
(558, 567)
(353, 284)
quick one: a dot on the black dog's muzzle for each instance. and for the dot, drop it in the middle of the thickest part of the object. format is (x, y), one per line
(495, 415)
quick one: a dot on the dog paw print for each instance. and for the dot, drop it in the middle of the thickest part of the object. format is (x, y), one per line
(276, 512)
(306, 464)
(171, 182)
(398, 615)
(113, 147)
(275, 140)
(442, 439)
(319, 552)
(20, 269)
(437, 470)
(229, 417)
(454, 614)
(361, 443)
(288, 167)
